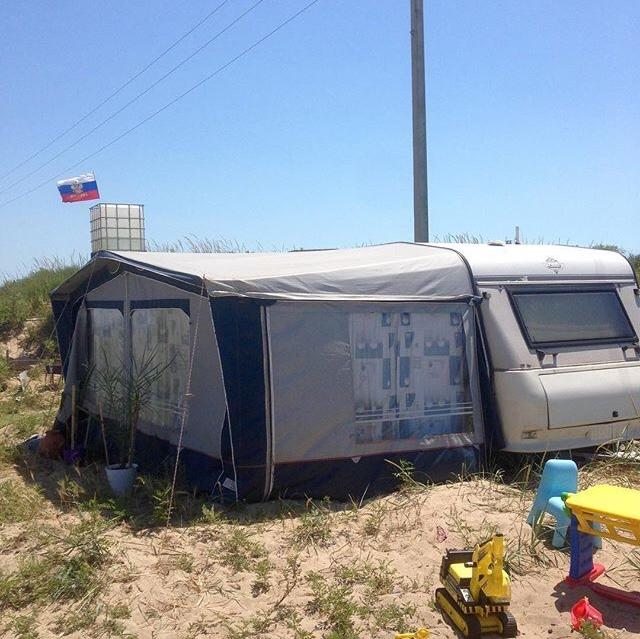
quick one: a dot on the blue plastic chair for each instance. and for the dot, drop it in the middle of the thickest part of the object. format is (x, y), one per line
(558, 476)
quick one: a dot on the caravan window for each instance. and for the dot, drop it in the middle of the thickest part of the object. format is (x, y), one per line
(571, 317)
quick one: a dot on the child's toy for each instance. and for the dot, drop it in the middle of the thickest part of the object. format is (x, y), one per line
(583, 611)
(605, 511)
(558, 476)
(477, 591)
(420, 633)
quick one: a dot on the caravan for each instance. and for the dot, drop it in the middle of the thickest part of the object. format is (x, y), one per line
(314, 372)
(560, 327)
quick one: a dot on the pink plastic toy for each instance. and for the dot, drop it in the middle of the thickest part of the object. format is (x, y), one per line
(583, 611)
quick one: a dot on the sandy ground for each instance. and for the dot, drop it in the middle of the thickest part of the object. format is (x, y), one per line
(294, 569)
(177, 582)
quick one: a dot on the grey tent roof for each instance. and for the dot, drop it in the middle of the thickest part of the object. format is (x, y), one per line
(398, 271)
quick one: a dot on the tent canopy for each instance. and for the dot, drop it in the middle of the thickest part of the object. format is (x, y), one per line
(398, 271)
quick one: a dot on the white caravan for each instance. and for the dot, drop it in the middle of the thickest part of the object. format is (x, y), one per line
(560, 327)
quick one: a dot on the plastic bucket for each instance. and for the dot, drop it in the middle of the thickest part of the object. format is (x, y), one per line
(121, 478)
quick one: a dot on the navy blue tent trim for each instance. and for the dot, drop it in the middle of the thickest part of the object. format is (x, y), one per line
(238, 325)
(106, 304)
(344, 479)
(183, 305)
(157, 456)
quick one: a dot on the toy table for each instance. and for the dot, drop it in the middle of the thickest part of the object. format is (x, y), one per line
(605, 511)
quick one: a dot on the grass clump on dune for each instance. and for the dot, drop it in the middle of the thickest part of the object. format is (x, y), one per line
(27, 297)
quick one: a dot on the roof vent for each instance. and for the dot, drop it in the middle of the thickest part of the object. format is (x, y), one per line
(495, 243)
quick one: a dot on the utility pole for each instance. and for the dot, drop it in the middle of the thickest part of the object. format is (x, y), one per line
(420, 192)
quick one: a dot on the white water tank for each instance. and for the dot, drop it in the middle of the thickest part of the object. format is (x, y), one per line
(117, 227)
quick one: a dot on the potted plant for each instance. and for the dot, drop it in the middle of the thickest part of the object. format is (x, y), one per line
(124, 392)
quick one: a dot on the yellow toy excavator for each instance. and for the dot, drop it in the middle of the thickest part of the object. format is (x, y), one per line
(477, 591)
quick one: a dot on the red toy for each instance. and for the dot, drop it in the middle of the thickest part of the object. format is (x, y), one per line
(584, 611)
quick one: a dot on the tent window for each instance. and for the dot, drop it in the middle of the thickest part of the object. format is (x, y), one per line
(160, 339)
(570, 317)
(106, 354)
(410, 375)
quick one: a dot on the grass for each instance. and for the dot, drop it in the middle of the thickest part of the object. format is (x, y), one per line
(19, 502)
(314, 527)
(335, 604)
(240, 551)
(27, 297)
(69, 570)
(24, 626)
(5, 372)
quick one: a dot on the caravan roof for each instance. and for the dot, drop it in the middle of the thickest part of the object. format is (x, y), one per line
(498, 261)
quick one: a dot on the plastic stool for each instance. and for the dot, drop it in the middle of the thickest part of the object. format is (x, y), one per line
(558, 476)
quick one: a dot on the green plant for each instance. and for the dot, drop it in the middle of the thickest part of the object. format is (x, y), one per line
(185, 562)
(470, 535)
(314, 527)
(589, 630)
(28, 296)
(24, 626)
(335, 603)
(374, 520)
(292, 621)
(405, 474)
(240, 551)
(70, 569)
(19, 502)
(83, 617)
(379, 579)
(261, 584)
(210, 515)
(5, 372)
(394, 616)
(126, 390)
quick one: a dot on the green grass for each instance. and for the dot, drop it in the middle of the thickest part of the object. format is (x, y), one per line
(19, 502)
(314, 528)
(24, 626)
(239, 551)
(28, 297)
(5, 372)
(69, 569)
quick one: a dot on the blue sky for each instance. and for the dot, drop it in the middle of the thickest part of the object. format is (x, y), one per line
(533, 119)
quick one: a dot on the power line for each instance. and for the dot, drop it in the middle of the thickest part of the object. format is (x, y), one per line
(219, 70)
(117, 91)
(134, 99)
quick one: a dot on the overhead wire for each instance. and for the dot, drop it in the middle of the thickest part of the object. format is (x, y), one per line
(135, 98)
(169, 104)
(116, 92)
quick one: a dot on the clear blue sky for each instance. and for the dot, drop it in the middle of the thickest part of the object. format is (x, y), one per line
(533, 119)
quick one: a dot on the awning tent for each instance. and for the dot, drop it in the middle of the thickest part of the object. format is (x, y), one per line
(300, 373)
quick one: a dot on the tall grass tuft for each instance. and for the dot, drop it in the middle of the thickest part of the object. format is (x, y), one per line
(193, 244)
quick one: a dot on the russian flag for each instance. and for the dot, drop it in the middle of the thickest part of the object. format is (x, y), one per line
(77, 189)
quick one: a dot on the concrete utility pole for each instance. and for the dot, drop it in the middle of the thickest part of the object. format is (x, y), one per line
(420, 192)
